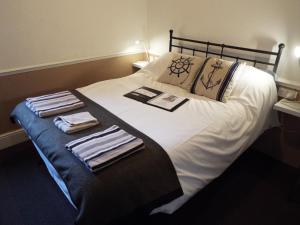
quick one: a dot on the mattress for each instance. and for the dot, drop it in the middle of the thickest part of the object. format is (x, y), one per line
(202, 137)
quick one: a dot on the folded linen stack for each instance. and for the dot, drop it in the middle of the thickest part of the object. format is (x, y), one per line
(48, 105)
(75, 122)
(104, 148)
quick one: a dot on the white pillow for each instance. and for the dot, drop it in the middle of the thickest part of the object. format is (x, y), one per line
(157, 66)
(256, 91)
(252, 84)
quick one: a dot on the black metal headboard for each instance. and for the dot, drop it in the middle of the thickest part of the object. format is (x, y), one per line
(205, 48)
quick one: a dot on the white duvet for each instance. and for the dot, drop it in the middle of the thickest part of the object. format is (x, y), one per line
(202, 137)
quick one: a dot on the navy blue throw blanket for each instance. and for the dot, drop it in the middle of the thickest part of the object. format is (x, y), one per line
(137, 183)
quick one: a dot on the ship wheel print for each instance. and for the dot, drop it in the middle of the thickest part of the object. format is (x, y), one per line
(181, 65)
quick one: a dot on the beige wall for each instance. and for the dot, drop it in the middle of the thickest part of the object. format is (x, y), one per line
(257, 23)
(38, 33)
(35, 32)
(15, 88)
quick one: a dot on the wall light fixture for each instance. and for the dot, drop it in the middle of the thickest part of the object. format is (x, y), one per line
(141, 42)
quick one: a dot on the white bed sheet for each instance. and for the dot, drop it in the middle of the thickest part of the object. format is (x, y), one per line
(202, 137)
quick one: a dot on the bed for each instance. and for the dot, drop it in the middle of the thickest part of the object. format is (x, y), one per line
(199, 140)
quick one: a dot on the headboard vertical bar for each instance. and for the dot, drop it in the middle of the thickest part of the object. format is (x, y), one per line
(222, 51)
(207, 46)
(181, 49)
(280, 49)
(171, 40)
(194, 50)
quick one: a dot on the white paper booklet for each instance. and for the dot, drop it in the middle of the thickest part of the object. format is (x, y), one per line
(145, 92)
(166, 101)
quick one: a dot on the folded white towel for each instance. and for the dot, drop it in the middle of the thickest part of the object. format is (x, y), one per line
(75, 122)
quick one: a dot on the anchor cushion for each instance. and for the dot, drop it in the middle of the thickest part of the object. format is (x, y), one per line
(182, 70)
(213, 80)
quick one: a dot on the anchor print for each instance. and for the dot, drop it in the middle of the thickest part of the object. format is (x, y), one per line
(209, 83)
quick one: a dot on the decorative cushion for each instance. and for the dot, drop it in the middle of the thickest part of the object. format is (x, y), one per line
(213, 80)
(182, 70)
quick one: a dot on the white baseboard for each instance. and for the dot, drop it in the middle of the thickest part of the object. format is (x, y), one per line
(12, 138)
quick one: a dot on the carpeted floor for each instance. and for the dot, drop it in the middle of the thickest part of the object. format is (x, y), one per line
(254, 191)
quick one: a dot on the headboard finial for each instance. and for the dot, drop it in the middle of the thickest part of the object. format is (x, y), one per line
(280, 49)
(281, 46)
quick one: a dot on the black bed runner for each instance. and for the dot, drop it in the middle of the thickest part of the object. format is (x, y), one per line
(140, 182)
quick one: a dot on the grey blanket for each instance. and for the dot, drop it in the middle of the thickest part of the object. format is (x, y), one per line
(140, 182)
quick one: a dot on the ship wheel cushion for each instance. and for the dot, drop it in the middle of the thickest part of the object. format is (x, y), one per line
(182, 70)
(214, 79)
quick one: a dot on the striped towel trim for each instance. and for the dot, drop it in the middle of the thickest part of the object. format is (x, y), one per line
(104, 147)
(76, 142)
(58, 106)
(112, 157)
(112, 141)
(52, 104)
(49, 96)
